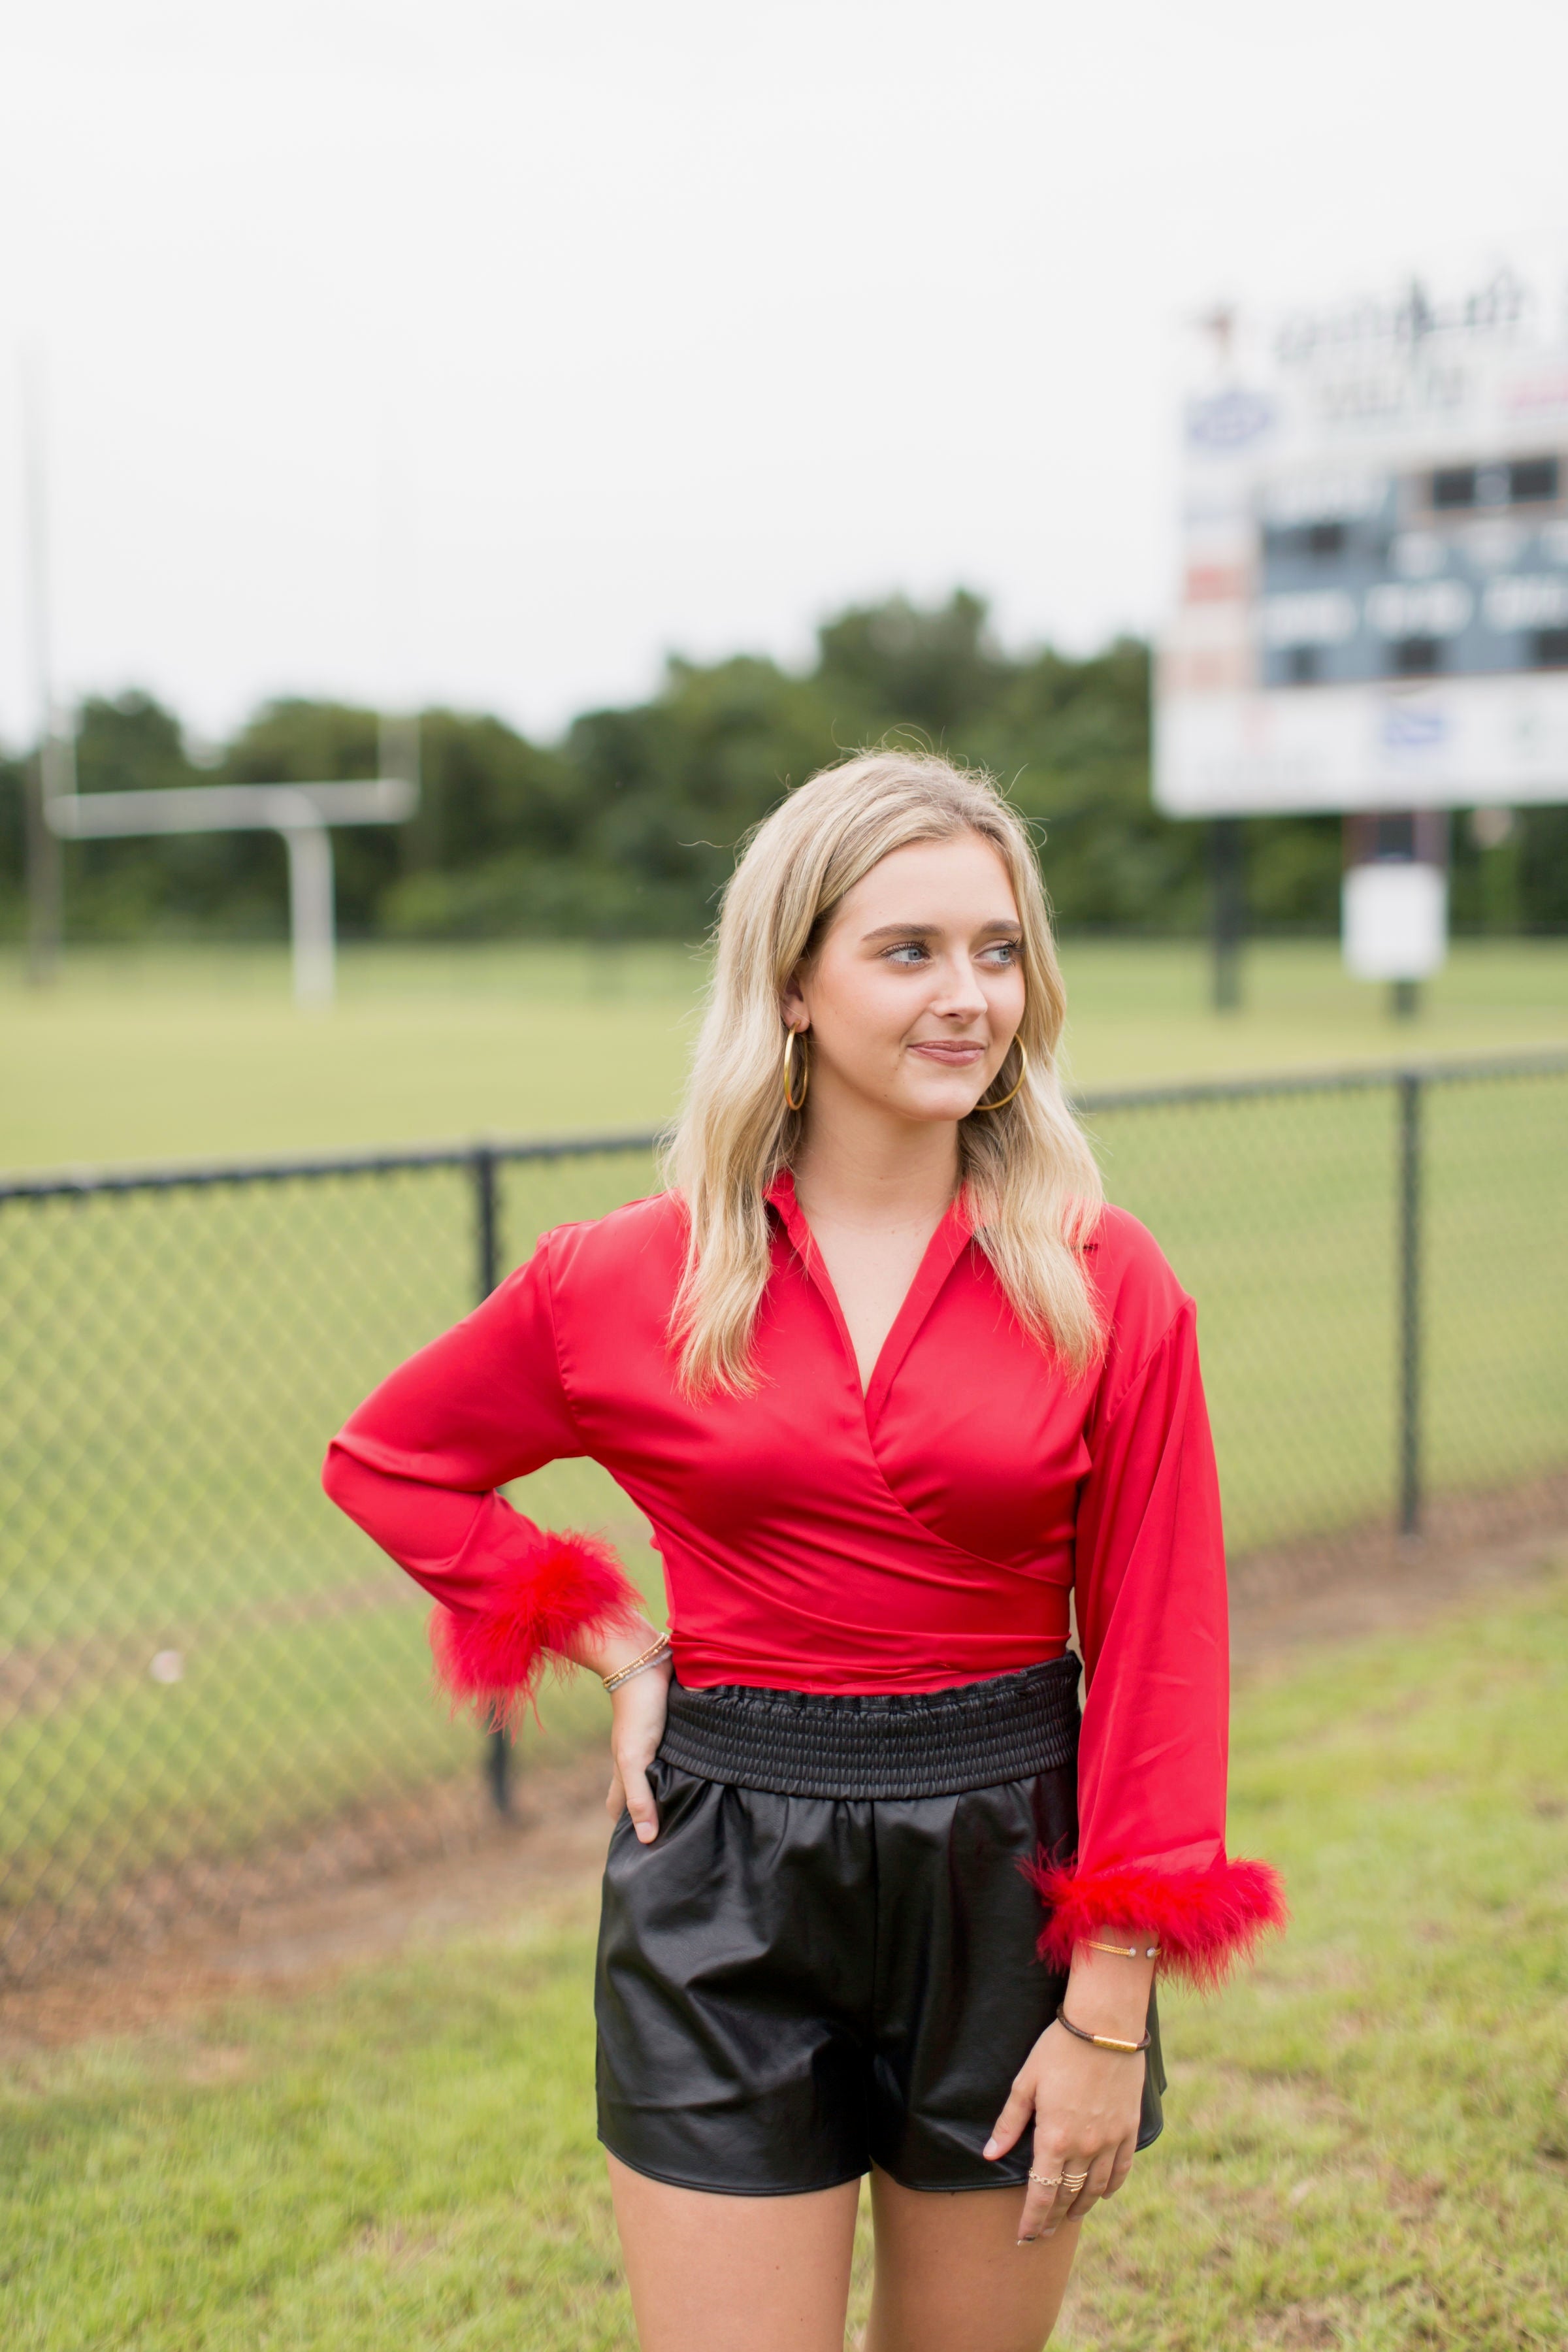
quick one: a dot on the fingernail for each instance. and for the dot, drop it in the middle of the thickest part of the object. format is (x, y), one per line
(988, 2151)
(1026, 2242)
(1048, 2233)
(644, 1833)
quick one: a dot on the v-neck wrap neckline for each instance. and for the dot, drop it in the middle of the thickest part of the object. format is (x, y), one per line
(941, 1253)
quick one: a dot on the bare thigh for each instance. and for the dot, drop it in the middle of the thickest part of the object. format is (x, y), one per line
(713, 2273)
(951, 2271)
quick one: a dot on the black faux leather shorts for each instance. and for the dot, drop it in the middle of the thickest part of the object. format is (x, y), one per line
(826, 1959)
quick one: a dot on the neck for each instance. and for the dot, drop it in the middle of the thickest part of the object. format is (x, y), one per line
(859, 1167)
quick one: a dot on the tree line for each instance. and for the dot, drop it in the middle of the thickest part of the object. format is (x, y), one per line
(626, 827)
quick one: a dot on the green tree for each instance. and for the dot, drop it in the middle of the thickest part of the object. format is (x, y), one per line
(125, 888)
(893, 664)
(629, 825)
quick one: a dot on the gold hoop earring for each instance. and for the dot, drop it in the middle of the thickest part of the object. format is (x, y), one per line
(790, 1102)
(1023, 1074)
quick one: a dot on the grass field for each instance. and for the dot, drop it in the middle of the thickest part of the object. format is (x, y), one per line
(139, 1056)
(1369, 2145)
(1366, 2144)
(171, 1366)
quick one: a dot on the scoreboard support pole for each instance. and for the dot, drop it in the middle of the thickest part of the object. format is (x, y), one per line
(1228, 910)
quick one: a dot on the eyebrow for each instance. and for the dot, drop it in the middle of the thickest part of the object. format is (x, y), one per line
(932, 931)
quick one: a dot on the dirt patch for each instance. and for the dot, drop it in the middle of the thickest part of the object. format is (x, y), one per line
(1339, 1587)
(551, 1848)
(343, 1907)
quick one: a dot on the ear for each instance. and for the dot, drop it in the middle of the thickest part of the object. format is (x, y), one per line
(792, 1003)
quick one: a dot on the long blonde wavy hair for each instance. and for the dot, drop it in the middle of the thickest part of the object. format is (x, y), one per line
(1033, 1189)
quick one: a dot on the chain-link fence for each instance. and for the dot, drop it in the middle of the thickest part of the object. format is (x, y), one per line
(211, 1685)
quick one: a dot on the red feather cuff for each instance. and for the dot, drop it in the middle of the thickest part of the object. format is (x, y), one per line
(1204, 1920)
(493, 1658)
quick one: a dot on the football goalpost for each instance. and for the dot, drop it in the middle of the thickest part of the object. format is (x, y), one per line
(303, 814)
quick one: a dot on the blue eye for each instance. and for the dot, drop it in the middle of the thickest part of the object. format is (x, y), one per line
(912, 951)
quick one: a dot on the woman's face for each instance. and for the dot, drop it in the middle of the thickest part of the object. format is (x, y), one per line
(914, 995)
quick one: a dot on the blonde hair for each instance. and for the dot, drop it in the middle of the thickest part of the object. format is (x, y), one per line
(1034, 1191)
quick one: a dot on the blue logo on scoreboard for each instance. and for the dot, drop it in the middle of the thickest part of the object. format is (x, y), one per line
(1229, 420)
(1412, 727)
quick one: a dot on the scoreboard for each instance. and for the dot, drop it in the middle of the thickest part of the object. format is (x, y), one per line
(1373, 605)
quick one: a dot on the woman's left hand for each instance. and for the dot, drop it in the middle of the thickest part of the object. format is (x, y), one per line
(1085, 2104)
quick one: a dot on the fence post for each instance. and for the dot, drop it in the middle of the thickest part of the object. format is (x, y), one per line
(486, 1236)
(486, 1243)
(1410, 1095)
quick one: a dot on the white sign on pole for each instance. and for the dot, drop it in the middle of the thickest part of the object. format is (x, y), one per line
(1394, 920)
(1373, 610)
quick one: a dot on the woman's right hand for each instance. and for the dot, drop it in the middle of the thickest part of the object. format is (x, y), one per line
(636, 1727)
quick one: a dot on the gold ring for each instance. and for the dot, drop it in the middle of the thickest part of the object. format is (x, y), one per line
(1074, 2181)
(1041, 2181)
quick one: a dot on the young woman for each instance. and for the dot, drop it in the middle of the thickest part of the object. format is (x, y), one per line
(896, 1392)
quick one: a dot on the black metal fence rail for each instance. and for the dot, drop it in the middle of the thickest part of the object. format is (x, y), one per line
(209, 1683)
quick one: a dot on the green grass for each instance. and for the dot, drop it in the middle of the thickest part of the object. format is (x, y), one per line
(1370, 2137)
(168, 1054)
(171, 1366)
(1279, 1217)
(1366, 2143)
(184, 1055)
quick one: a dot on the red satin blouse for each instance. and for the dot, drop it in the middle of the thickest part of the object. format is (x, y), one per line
(927, 1532)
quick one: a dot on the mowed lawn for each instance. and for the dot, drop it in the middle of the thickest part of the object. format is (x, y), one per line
(171, 1365)
(158, 1054)
(1366, 2143)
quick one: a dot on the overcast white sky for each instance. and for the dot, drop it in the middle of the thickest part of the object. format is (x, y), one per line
(486, 350)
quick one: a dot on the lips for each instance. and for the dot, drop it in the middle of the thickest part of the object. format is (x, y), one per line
(950, 1058)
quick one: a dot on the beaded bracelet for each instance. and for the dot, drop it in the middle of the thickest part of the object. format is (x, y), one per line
(652, 1656)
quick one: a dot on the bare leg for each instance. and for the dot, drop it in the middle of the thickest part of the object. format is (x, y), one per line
(714, 2274)
(950, 2271)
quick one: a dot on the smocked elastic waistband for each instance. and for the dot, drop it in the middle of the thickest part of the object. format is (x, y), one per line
(880, 1745)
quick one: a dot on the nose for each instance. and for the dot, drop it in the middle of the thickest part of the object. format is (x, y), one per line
(959, 995)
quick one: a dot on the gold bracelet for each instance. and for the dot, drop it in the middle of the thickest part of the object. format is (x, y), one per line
(1123, 1951)
(652, 1656)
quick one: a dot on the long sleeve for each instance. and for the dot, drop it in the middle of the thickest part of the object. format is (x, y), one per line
(1150, 1585)
(417, 1465)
